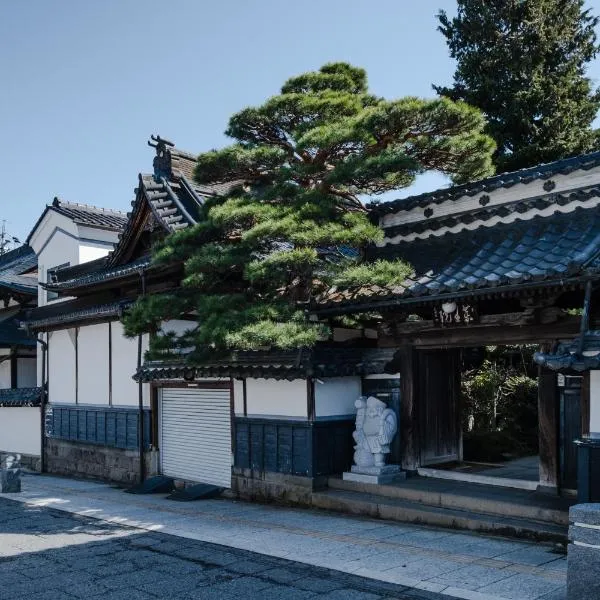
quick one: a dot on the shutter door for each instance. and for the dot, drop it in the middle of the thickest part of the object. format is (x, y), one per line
(195, 437)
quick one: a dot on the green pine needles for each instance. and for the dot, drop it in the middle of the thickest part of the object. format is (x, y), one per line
(523, 63)
(294, 224)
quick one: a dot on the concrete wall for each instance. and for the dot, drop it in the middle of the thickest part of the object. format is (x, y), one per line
(595, 403)
(61, 362)
(20, 430)
(335, 396)
(273, 398)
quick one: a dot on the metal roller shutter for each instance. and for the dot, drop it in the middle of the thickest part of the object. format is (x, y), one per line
(195, 440)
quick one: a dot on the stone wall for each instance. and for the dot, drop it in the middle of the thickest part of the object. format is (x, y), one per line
(274, 487)
(76, 459)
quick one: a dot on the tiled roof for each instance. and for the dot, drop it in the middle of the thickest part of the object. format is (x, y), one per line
(68, 313)
(100, 275)
(92, 216)
(322, 361)
(539, 251)
(85, 214)
(505, 180)
(170, 193)
(19, 397)
(13, 265)
(582, 354)
(502, 211)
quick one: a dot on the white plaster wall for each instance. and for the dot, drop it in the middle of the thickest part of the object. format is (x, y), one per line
(61, 376)
(26, 372)
(20, 430)
(238, 396)
(336, 396)
(178, 326)
(595, 403)
(270, 397)
(92, 363)
(88, 252)
(4, 373)
(124, 364)
(4, 369)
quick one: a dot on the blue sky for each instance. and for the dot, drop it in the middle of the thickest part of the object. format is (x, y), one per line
(84, 84)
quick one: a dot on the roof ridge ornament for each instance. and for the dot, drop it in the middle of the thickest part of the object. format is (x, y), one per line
(162, 160)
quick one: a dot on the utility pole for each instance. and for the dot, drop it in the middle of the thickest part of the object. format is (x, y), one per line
(6, 240)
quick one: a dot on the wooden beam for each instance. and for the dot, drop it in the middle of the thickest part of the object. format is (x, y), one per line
(477, 335)
(548, 408)
(409, 424)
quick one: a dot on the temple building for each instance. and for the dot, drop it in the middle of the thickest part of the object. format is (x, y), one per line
(505, 261)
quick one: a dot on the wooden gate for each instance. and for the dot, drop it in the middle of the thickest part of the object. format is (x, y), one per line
(439, 407)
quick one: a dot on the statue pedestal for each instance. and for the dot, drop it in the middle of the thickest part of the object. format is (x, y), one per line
(377, 475)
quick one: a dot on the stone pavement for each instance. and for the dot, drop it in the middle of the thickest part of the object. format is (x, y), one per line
(50, 555)
(443, 562)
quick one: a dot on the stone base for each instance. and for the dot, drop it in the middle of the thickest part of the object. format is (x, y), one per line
(94, 461)
(10, 481)
(376, 475)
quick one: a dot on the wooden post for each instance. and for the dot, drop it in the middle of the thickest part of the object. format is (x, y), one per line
(585, 403)
(13, 368)
(409, 425)
(548, 428)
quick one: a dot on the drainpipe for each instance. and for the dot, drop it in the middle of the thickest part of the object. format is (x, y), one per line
(142, 466)
(43, 406)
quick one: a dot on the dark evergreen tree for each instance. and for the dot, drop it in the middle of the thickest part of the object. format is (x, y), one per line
(295, 221)
(523, 63)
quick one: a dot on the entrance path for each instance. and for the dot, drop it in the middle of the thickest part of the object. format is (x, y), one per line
(459, 565)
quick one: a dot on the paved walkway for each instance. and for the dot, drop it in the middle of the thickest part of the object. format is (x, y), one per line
(454, 564)
(50, 555)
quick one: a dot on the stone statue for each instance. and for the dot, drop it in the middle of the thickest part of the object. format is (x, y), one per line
(376, 425)
(10, 476)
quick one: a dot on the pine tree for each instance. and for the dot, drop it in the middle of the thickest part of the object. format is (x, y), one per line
(295, 223)
(523, 63)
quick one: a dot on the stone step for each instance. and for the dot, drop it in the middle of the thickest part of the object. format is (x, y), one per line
(393, 509)
(485, 499)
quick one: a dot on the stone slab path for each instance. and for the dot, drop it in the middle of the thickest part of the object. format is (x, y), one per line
(452, 564)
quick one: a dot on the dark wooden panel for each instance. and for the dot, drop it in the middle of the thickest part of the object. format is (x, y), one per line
(294, 447)
(270, 447)
(438, 406)
(302, 453)
(256, 446)
(242, 445)
(285, 444)
(108, 427)
(548, 414)
(570, 430)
